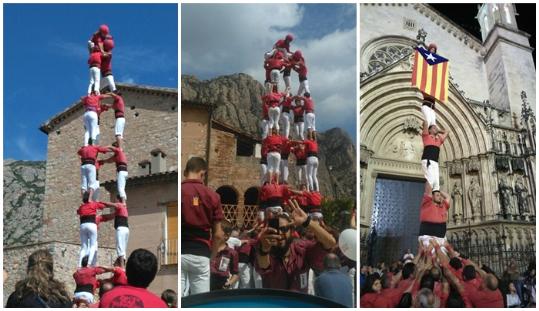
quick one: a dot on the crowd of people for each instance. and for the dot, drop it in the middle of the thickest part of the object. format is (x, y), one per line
(100, 48)
(128, 289)
(443, 278)
(290, 247)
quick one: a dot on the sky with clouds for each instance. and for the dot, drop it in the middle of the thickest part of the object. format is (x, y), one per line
(222, 39)
(45, 60)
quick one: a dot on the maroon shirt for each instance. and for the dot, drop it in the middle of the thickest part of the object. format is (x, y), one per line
(201, 208)
(294, 274)
(225, 263)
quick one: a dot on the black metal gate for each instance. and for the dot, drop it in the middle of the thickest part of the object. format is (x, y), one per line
(395, 219)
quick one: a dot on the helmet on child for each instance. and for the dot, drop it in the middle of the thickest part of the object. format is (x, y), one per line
(104, 29)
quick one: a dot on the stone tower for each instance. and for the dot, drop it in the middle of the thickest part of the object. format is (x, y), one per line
(508, 57)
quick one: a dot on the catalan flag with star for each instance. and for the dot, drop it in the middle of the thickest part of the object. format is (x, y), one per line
(431, 74)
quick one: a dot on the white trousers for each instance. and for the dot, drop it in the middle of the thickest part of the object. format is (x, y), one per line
(95, 195)
(274, 75)
(425, 240)
(121, 178)
(274, 160)
(263, 173)
(264, 125)
(274, 114)
(287, 81)
(88, 241)
(302, 173)
(257, 279)
(245, 275)
(303, 87)
(195, 274)
(85, 295)
(91, 128)
(87, 177)
(122, 238)
(299, 127)
(432, 173)
(284, 170)
(119, 127)
(95, 77)
(285, 119)
(108, 81)
(312, 172)
(430, 115)
(310, 120)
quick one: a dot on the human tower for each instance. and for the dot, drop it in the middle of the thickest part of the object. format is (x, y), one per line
(100, 48)
(435, 203)
(282, 110)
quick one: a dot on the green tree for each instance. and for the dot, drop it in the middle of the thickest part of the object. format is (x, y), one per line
(337, 212)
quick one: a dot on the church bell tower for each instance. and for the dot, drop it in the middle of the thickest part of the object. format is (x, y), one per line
(508, 57)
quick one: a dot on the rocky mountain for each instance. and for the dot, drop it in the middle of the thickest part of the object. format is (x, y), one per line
(24, 188)
(236, 100)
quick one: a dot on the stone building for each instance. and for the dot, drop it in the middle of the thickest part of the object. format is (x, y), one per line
(233, 160)
(487, 163)
(151, 145)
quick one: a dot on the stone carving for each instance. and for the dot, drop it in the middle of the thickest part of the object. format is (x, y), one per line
(421, 35)
(457, 201)
(517, 165)
(473, 166)
(474, 195)
(506, 193)
(387, 55)
(502, 164)
(522, 197)
(412, 125)
(455, 169)
(404, 147)
(506, 144)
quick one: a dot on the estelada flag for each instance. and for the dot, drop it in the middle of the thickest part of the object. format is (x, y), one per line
(431, 74)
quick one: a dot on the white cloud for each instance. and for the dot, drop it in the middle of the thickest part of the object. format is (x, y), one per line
(26, 149)
(226, 39)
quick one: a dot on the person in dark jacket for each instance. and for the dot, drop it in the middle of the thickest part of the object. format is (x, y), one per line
(39, 289)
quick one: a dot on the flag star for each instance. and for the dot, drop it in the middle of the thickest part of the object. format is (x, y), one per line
(430, 57)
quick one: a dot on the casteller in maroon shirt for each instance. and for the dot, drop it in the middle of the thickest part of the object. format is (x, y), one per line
(201, 208)
(294, 274)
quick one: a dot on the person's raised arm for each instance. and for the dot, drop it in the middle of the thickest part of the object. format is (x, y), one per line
(300, 218)
(425, 127)
(268, 238)
(446, 197)
(428, 189)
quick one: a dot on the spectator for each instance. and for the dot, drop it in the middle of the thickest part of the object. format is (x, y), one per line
(277, 247)
(201, 227)
(334, 284)
(513, 300)
(170, 297)
(39, 289)
(140, 270)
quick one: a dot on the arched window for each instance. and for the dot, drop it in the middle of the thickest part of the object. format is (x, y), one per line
(228, 195)
(381, 52)
(251, 196)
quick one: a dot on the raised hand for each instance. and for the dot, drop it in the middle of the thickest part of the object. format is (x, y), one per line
(298, 215)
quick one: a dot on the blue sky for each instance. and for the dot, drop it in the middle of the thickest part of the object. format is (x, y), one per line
(222, 39)
(45, 60)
